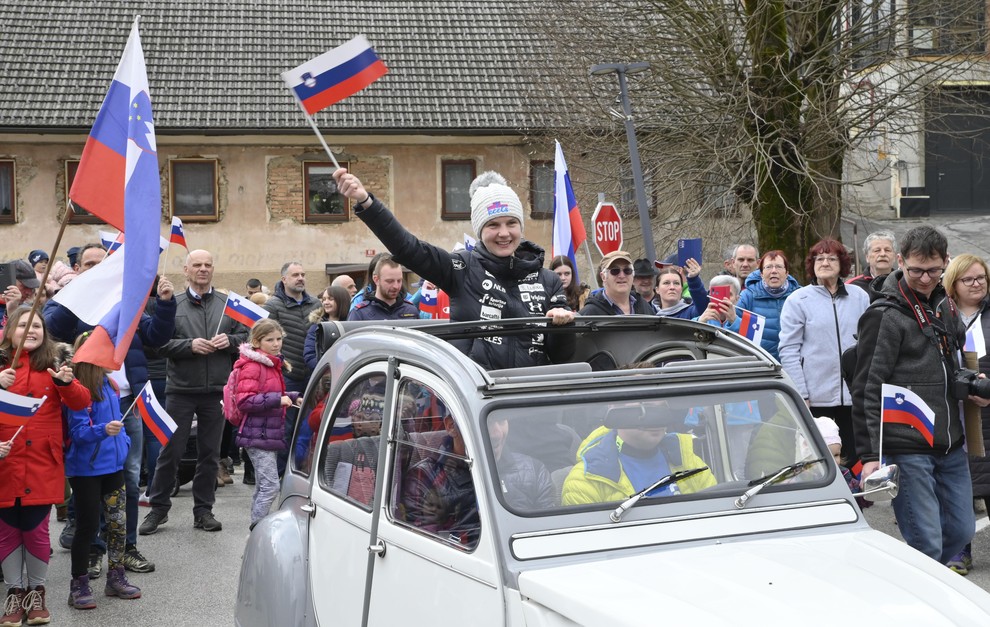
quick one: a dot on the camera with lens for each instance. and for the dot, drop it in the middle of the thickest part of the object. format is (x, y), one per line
(968, 382)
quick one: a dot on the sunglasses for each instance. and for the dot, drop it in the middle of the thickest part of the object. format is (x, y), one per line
(617, 271)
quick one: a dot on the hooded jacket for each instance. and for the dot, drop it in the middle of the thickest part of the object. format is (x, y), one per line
(482, 286)
(893, 349)
(294, 318)
(816, 327)
(188, 372)
(598, 476)
(757, 299)
(92, 452)
(260, 388)
(34, 471)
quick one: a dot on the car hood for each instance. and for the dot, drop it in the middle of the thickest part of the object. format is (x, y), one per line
(824, 579)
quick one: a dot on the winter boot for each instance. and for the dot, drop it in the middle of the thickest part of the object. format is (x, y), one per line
(80, 594)
(13, 608)
(34, 605)
(117, 585)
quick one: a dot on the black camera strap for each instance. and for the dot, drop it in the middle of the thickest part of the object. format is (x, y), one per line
(933, 326)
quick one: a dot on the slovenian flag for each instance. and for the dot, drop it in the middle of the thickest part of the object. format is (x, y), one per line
(118, 181)
(243, 310)
(568, 228)
(110, 241)
(16, 410)
(154, 415)
(751, 325)
(975, 341)
(436, 303)
(177, 236)
(335, 75)
(902, 406)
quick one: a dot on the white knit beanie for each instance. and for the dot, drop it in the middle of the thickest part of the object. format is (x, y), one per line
(492, 198)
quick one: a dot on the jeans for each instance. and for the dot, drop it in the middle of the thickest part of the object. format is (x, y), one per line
(134, 427)
(934, 505)
(209, 427)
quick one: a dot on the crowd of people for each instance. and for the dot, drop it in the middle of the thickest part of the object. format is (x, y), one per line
(901, 321)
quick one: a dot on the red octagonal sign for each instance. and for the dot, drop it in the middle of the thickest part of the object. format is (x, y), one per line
(608, 228)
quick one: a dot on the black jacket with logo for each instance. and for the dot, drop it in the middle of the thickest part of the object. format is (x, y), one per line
(482, 286)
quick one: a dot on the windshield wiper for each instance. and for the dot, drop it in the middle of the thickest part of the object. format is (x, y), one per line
(673, 477)
(783, 474)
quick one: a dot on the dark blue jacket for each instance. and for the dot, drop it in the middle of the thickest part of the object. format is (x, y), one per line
(374, 309)
(92, 452)
(153, 331)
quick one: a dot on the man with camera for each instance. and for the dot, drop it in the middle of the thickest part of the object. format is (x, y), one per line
(911, 337)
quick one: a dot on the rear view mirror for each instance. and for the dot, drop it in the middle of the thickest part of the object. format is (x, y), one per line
(881, 485)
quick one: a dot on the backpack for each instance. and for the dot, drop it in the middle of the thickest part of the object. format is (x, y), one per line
(231, 411)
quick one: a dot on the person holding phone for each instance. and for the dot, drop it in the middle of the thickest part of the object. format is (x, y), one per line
(723, 293)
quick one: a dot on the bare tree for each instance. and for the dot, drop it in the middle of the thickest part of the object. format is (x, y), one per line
(750, 108)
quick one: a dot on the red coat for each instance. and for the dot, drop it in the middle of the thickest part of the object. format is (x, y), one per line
(35, 468)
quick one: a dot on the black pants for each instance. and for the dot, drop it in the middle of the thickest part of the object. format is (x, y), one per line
(103, 493)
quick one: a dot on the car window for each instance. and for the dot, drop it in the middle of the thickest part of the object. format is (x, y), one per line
(351, 441)
(433, 491)
(606, 451)
(310, 415)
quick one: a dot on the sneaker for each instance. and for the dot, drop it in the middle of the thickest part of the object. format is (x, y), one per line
(137, 563)
(34, 605)
(144, 500)
(80, 594)
(961, 562)
(207, 522)
(95, 568)
(68, 533)
(13, 608)
(118, 586)
(151, 523)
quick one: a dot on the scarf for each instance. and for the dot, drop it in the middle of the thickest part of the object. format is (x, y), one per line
(775, 292)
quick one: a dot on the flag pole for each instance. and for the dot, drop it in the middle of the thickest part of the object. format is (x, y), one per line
(222, 314)
(44, 281)
(132, 404)
(16, 433)
(316, 129)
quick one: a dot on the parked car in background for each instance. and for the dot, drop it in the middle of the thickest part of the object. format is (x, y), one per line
(493, 499)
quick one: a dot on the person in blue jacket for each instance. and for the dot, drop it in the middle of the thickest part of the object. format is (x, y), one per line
(766, 290)
(94, 465)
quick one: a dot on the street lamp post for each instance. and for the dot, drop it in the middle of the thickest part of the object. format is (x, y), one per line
(622, 69)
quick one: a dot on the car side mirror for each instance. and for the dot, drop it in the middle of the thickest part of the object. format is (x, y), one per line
(881, 485)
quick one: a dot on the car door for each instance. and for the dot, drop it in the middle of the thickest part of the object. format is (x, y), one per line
(437, 568)
(342, 493)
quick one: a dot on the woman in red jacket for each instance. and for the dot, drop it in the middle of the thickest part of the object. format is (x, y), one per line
(32, 475)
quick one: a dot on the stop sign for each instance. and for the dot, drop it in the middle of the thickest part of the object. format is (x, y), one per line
(608, 228)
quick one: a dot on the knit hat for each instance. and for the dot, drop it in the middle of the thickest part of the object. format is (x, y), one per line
(829, 430)
(36, 256)
(491, 198)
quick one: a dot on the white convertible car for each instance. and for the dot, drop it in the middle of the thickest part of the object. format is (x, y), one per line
(424, 490)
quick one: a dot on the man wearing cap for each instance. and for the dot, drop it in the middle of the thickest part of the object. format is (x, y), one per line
(645, 279)
(502, 277)
(22, 291)
(629, 453)
(618, 298)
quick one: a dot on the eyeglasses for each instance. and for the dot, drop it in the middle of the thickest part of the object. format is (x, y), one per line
(830, 259)
(773, 266)
(617, 271)
(915, 273)
(970, 280)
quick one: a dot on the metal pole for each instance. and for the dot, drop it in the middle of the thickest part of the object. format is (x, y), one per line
(637, 171)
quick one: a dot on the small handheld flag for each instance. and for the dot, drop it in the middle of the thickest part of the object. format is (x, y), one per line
(16, 410)
(177, 236)
(154, 415)
(335, 75)
(975, 341)
(568, 228)
(902, 406)
(751, 325)
(110, 241)
(436, 303)
(243, 310)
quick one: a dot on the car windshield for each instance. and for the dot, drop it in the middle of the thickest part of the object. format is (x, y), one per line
(561, 455)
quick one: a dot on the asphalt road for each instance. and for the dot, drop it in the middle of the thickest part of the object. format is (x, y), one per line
(195, 580)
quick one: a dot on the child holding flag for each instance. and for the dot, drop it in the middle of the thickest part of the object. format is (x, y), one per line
(260, 394)
(94, 463)
(32, 478)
